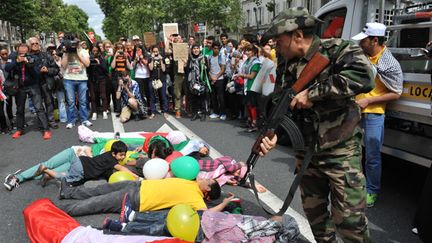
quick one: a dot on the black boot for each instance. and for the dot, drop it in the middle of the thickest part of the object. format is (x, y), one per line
(195, 117)
(203, 117)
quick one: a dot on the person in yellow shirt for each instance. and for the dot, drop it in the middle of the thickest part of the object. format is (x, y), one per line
(388, 87)
(146, 195)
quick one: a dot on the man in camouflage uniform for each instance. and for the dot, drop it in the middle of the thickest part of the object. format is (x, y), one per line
(335, 167)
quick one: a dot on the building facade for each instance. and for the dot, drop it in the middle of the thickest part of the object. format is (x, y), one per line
(257, 17)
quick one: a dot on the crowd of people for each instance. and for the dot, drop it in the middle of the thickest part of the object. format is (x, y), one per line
(75, 80)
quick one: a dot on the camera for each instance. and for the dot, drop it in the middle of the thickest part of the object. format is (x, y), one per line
(70, 42)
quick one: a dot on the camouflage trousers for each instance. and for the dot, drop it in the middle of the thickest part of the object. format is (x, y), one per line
(334, 177)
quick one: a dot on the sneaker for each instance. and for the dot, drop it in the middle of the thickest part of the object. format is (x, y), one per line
(53, 125)
(17, 134)
(112, 225)
(214, 116)
(126, 209)
(165, 115)
(87, 123)
(69, 126)
(63, 186)
(223, 117)
(178, 114)
(414, 231)
(94, 117)
(11, 181)
(47, 135)
(105, 115)
(152, 116)
(371, 199)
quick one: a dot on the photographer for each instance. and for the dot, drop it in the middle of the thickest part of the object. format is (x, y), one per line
(98, 75)
(74, 63)
(58, 89)
(27, 74)
(142, 73)
(48, 69)
(158, 83)
(129, 93)
(120, 63)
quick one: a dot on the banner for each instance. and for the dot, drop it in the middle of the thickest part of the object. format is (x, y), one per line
(150, 38)
(180, 51)
(168, 30)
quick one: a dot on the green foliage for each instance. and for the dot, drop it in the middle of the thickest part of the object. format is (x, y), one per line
(46, 16)
(130, 17)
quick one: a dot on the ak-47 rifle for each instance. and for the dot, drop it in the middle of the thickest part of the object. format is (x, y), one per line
(278, 117)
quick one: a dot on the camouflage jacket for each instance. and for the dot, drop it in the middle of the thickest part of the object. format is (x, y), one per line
(332, 92)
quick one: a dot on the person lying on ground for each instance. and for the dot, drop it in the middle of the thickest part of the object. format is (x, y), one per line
(159, 148)
(84, 168)
(147, 195)
(59, 163)
(196, 148)
(215, 226)
(225, 170)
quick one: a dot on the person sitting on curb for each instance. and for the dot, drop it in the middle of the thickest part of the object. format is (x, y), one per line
(147, 195)
(59, 163)
(84, 168)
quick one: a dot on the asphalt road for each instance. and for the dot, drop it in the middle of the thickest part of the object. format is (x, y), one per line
(389, 221)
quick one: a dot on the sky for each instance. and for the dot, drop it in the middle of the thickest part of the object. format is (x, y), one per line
(94, 13)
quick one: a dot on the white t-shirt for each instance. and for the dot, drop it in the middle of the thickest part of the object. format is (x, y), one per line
(215, 62)
(142, 71)
(75, 69)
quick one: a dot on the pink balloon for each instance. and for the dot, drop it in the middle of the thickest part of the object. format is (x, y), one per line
(173, 156)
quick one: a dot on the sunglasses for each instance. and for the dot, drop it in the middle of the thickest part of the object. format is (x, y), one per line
(34, 44)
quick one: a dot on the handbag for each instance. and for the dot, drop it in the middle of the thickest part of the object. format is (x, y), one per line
(157, 84)
(11, 86)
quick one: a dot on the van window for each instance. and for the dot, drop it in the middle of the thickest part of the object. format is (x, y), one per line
(333, 24)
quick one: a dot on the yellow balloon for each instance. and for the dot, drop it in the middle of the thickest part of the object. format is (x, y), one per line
(183, 222)
(120, 176)
(127, 157)
(108, 144)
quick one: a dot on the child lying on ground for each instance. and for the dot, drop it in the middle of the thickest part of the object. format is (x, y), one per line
(84, 168)
(225, 170)
(59, 163)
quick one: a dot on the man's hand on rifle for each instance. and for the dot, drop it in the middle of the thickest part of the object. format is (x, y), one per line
(267, 145)
(301, 101)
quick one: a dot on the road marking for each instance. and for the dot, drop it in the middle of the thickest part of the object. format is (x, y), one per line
(268, 197)
(117, 125)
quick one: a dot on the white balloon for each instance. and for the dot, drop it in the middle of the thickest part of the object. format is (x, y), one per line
(155, 169)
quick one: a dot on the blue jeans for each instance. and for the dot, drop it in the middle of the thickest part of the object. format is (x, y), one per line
(75, 172)
(61, 105)
(373, 126)
(80, 87)
(163, 100)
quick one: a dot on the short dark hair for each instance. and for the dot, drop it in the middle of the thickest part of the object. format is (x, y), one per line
(160, 149)
(153, 47)
(381, 39)
(210, 37)
(216, 44)
(118, 147)
(215, 191)
(223, 35)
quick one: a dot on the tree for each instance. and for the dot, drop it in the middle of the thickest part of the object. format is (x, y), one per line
(130, 17)
(43, 16)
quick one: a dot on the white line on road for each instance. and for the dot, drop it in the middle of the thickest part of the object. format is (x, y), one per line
(117, 125)
(268, 197)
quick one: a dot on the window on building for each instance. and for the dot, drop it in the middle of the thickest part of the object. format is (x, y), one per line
(277, 8)
(261, 15)
(333, 24)
(248, 18)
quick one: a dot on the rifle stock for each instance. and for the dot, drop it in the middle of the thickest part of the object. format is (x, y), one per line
(315, 66)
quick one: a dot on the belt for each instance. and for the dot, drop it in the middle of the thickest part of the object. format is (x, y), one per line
(366, 115)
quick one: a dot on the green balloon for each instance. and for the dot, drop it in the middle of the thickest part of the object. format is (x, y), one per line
(185, 167)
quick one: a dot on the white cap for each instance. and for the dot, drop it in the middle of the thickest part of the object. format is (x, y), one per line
(135, 37)
(371, 29)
